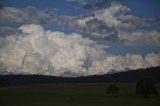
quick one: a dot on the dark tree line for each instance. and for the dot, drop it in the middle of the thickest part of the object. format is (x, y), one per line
(146, 87)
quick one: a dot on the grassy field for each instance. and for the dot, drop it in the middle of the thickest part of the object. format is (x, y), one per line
(72, 95)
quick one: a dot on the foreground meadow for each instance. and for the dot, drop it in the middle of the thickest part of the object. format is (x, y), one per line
(78, 94)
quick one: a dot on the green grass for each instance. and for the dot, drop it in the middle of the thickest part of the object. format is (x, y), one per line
(72, 95)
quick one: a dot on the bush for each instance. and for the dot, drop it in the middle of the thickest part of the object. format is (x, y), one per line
(113, 90)
(146, 87)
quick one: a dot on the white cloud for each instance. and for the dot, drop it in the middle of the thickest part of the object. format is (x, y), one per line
(117, 17)
(112, 24)
(110, 15)
(152, 60)
(82, 22)
(123, 63)
(28, 15)
(83, 2)
(151, 38)
(37, 51)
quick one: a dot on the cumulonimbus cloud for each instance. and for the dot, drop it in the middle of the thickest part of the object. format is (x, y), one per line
(39, 51)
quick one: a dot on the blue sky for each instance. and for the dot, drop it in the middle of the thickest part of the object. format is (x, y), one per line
(142, 8)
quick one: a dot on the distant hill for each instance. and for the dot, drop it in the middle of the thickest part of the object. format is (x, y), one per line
(128, 76)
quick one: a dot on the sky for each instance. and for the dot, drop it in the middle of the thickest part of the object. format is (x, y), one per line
(78, 37)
